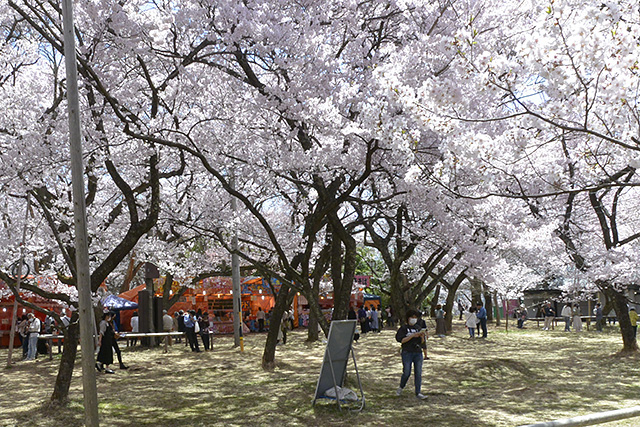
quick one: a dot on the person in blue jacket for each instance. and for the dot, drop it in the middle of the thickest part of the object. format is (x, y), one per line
(482, 317)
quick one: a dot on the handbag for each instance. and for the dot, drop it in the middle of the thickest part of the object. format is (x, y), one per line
(196, 327)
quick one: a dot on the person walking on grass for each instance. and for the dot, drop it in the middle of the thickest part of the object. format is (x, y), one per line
(203, 323)
(260, 316)
(599, 317)
(413, 343)
(481, 314)
(375, 327)
(549, 315)
(362, 319)
(33, 328)
(577, 318)
(167, 325)
(114, 343)
(23, 334)
(135, 327)
(566, 314)
(441, 329)
(105, 342)
(471, 321)
(190, 330)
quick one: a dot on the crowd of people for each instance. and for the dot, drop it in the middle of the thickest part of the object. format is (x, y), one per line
(476, 319)
(571, 314)
(29, 328)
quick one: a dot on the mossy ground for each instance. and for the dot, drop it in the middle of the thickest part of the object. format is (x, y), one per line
(508, 379)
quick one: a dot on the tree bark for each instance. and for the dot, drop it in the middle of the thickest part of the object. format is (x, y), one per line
(269, 354)
(132, 270)
(398, 301)
(343, 266)
(60, 393)
(166, 291)
(448, 309)
(434, 301)
(619, 302)
(312, 330)
(476, 291)
(488, 303)
(451, 299)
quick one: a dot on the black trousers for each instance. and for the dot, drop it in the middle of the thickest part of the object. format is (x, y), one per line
(192, 338)
(117, 350)
(205, 339)
(260, 325)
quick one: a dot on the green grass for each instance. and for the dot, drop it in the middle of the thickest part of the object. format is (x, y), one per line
(509, 379)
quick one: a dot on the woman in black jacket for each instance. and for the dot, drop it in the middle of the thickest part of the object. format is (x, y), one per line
(412, 338)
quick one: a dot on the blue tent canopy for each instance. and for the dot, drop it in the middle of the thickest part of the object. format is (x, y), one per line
(369, 297)
(116, 303)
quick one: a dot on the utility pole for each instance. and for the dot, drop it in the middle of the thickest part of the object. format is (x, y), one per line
(238, 340)
(14, 316)
(83, 276)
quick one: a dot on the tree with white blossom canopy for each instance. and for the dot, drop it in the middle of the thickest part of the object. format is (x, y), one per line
(541, 106)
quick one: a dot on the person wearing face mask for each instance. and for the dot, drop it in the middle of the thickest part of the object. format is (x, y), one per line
(412, 338)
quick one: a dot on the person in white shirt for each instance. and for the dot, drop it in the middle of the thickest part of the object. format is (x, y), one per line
(167, 324)
(34, 332)
(64, 318)
(260, 316)
(134, 327)
(566, 313)
(472, 321)
(291, 319)
(577, 318)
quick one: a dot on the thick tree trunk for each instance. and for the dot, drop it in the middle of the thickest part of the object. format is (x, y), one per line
(342, 298)
(313, 299)
(434, 301)
(397, 294)
(619, 302)
(609, 303)
(343, 267)
(448, 308)
(451, 299)
(132, 270)
(476, 291)
(488, 304)
(166, 292)
(312, 331)
(269, 354)
(60, 394)
(314, 309)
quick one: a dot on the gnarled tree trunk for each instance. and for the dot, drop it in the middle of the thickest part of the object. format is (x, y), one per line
(488, 303)
(269, 354)
(619, 302)
(60, 393)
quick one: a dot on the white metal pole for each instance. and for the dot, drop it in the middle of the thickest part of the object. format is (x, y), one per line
(83, 276)
(12, 334)
(591, 419)
(235, 276)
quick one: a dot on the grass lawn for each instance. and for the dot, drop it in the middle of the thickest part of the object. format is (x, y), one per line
(506, 380)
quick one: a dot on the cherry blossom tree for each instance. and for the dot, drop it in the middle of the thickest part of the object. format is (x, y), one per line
(544, 110)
